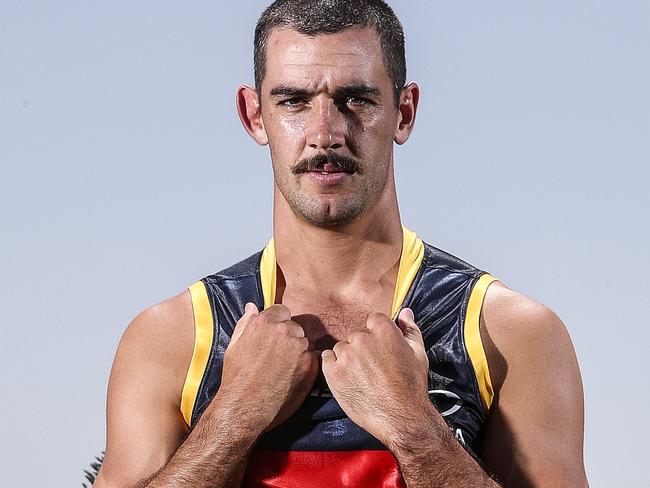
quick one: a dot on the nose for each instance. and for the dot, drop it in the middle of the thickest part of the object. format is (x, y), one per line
(326, 126)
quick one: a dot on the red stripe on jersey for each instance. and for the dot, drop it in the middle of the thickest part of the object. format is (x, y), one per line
(331, 469)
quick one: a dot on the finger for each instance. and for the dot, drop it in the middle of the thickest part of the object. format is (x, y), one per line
(339, 348)
(277, 313)
(328, 360)
(328, 355)
(294, 329)
(377, 319)
(412, 333)
(359, 335)
(250, 309)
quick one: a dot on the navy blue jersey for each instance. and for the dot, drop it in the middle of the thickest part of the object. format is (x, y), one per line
(319, 445)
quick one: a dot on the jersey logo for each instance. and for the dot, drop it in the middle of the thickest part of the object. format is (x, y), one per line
(447, 401)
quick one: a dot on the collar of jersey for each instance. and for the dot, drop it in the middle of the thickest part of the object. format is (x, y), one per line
(409, 264)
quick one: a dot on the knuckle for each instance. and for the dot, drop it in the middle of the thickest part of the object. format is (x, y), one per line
(282, 328)
(297, 343)
(289, 329)
(357, 336)
(296, 329)
(377, 318)
(303, 343)
(280, 310)
(296, 348)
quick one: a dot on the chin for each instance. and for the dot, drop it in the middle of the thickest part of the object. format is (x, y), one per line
(328, 215)
(327, 210)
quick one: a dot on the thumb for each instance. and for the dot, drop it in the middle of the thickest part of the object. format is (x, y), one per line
(250, 309)
(412, 333)
(328, 359)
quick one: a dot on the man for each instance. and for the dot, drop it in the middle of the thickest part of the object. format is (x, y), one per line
(348, 352)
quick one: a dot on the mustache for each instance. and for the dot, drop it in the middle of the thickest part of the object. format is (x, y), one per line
(318, 162)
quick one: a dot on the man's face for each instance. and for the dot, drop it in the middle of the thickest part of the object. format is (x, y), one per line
(330, 117)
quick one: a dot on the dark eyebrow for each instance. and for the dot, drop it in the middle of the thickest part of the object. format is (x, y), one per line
(357, 89)
(341, 92)
(290, 92)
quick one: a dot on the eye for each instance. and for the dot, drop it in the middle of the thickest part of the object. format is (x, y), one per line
(292, 102)
(357, 101)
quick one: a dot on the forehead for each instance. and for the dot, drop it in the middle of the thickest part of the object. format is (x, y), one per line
(310, 61)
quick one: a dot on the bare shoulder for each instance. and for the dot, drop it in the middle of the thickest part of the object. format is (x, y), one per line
(144, 423)
(518, 325)
(162, 333)
(523, 340)
(158, 344)
(534, 434)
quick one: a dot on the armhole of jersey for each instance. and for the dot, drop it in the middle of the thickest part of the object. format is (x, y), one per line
(203, 336)
(473, 341)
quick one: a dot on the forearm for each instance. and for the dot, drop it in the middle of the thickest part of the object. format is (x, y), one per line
(430, 456)
(213, 455)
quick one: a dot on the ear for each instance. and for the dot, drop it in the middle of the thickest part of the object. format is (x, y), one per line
(408, 107)
(250, 114)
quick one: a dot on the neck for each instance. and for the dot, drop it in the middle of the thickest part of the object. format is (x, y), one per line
(342, 258)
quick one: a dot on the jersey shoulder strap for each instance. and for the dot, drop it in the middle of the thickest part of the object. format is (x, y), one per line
(218, 301)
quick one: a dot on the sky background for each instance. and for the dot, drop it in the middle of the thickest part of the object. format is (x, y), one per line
(126, 176)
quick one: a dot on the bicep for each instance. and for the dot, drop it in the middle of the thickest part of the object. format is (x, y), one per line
(534, 435)
(144, 422)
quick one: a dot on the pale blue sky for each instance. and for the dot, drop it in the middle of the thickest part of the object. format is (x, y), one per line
(126, 176)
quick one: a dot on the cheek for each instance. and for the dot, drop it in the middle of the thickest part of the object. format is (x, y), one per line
(292, 127)
(373, 140)
(278, 122)
(374, 127)
(286, 134)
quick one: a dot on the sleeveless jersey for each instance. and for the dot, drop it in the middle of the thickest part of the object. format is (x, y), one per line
(319, 445)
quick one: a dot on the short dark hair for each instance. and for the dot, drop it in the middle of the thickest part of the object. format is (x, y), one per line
(313, 17)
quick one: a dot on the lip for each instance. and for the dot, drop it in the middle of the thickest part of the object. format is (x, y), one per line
(328, 178)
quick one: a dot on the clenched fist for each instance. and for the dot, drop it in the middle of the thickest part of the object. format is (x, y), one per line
(379, 374)
(269, 367)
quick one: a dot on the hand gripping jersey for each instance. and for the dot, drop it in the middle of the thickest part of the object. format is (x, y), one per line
(319, 446)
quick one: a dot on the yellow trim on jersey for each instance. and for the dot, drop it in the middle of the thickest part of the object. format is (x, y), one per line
(409, 264)
(410, 261)
(203, 337)
(268, 274)
(473, 341)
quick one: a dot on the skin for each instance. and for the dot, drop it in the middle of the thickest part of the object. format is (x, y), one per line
(338, 242)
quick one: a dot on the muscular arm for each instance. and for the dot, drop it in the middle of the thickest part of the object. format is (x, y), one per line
(534, 435)
(144, 423)
(268, 370)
